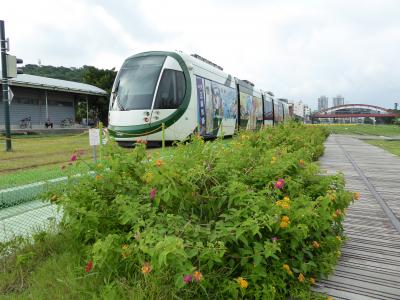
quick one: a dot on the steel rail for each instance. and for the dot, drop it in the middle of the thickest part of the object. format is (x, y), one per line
(387, 210)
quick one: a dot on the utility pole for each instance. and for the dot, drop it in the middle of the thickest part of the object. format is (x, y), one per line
(4, 84)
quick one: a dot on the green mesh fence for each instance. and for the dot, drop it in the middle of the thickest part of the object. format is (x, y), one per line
(34, 165)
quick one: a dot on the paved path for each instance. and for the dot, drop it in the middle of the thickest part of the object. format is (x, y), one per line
(370, 264)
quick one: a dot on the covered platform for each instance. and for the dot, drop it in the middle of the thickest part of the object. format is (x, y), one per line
(39, 100)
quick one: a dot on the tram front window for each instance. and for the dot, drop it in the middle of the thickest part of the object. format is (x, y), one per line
(136, 82)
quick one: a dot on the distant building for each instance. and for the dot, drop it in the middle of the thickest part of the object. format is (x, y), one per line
(338, 100)
(323, 103)
(298, 109)
(307, 114)
(39, 99)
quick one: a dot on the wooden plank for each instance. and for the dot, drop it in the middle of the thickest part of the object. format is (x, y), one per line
(370, 264)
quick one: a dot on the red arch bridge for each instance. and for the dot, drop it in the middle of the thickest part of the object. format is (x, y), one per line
(354, 113)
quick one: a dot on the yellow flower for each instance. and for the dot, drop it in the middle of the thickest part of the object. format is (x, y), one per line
(315, 245)
(312, 280)
(301, 162)
(285, 205)
(285, 219)
(146, 268)
(125, 250)
(197, 276)
(243, 283)
(287, 269)
(286, 198)
(148, 177)
(356, 196)
(338, 238)
(283, 224)
(332, 197)
(329, 298)
(301, 277)
(273, 160)
(159, 162)
(98, 177)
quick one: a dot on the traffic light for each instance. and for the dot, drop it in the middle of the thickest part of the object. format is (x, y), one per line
(12, 69)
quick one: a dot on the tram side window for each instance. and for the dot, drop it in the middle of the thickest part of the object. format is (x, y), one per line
(285, 112)
(276, 112)
(267, 109)
(171, 90)
(280, 111)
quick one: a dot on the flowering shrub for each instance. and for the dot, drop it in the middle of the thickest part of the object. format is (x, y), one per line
(251, 217)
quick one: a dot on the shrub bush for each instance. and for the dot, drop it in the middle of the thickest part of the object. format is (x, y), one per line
(248, 217)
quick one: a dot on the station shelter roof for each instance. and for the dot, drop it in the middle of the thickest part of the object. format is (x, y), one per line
(32, 81)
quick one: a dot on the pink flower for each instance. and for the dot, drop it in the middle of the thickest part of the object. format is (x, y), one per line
(187, 279)
(274, 239)
(74, 157)
(280, 183)
(153, 193)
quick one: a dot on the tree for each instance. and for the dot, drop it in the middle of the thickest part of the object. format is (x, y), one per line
(104, 79)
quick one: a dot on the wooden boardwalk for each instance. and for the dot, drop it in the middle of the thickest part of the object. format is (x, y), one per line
(369, 267)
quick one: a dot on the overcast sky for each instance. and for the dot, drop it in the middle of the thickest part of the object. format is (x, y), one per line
(298, 49)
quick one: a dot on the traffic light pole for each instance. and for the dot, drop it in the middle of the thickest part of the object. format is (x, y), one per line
(4, 84)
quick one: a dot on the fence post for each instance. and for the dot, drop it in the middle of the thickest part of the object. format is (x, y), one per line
(4, 81)
(101, 140)
(163, 136)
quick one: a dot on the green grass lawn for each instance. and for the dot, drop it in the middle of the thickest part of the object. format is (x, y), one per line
(384, 130)
(391, 146)
(30, 152)
(37, 158)
(34, 159)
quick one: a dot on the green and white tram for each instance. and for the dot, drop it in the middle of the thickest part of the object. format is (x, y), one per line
(187, 94)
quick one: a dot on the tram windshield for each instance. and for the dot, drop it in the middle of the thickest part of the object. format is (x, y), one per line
(136, 82)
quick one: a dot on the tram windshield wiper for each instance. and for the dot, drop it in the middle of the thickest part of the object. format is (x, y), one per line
(119, 104)
(114, 97)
